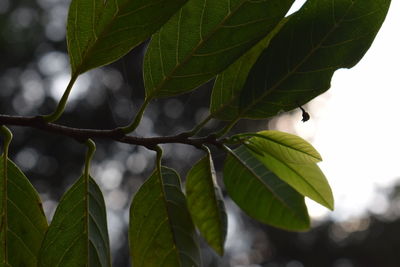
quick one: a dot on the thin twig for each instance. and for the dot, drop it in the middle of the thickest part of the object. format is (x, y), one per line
(117, 134)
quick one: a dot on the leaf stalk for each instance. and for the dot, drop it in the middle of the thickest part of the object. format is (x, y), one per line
(89, 155)
(135, 123)
(63, 102)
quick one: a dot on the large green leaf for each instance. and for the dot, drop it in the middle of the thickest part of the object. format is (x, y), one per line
(206, 204)
(23, 223)
(77, 235)
(228, 84)
(299, 63)
(261, 194)
(204, 38)
(101, 31)
(284, 146)
(161, 231)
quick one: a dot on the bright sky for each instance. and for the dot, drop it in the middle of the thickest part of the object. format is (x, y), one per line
(356, 126)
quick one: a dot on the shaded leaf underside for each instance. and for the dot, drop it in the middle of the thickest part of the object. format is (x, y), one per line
(203, 38)
(228, 84)
(161, 232)
(23, 223)
(99, 32)
(78, 234)
(205, 202)
(300, 61)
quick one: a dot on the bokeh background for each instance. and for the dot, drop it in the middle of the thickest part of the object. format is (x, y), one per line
(354, 125)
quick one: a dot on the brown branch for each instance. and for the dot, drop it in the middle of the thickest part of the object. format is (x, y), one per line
(81, 135)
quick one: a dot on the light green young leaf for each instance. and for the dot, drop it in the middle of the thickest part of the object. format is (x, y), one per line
(77, 235)
(161, 231)
(203, 39)
(206, 203)
(305, 178)
(284, 146)
(228, 84)
(101, 31)
(261, 194)
(299, 63)
(23, 223)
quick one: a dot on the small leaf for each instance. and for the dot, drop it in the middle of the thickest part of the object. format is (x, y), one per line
(284, 146)
(23, 223)
(101, 31)
(228, 84)
(203, 39)
(206, 204)
(161, 231)
(299, 63)
(78, 234)
(261, 194)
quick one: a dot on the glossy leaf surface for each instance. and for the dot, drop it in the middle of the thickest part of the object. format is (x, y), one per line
(228, 84)
(299, 63)
(101, 31)
(23, 223)
(161, 231)
(205, 202)
(261, 194)
(78, 235)
(203, 39)
(284, 146)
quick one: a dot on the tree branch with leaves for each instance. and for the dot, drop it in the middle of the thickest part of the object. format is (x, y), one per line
(262, 61)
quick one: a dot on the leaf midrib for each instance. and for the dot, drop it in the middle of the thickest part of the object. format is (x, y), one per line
(202, 41)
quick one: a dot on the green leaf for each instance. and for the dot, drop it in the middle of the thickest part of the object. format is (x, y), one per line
(23, 223)
(305, 178)
(284, 146)
(77, 235)
(299, 63)
(261, 194)
(161, 231)
(101, 31)
(228, 84)
(206, 204)
(293, 160)
(203, 39)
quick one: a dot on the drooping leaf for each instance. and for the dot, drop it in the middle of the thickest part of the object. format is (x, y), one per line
(101, 31)
(203, 39)
(23, 223)
(228, 84)
(161, 231)
(205, 203)
(261, 194)
(77, 235)
(284, 146)
(299, 63)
